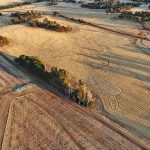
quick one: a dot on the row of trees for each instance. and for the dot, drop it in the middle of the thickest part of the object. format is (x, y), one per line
(50, 25)
(14, 5)
(111, 6)
(58, 78)
(121, 7)
(138, 16)
(145, 1)
(102, 5)
(3, 41)
(24, 17)
(19, 4)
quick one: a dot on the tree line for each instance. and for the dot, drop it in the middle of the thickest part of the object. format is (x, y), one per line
(58, 78)
(19, 17)
(14, 5)
(138, 16)
(50, 25)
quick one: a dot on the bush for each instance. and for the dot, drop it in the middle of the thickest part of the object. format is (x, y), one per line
(55, 14)
(59, 78)
(50, 25)
(24, 17)
(3, 41)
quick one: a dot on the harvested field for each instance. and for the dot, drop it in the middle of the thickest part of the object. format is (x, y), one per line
(54, 126)
(112, 64)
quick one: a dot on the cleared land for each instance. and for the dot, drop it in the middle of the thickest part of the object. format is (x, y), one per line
(35, 118)
(112, 64)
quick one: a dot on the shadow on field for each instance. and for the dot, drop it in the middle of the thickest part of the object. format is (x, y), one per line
(130, 67)
(13, 69)
(136, 50)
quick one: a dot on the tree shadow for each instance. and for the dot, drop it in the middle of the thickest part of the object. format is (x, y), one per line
(136, 49)
(130, 67)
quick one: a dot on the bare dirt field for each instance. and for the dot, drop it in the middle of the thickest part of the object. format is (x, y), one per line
(113, 65)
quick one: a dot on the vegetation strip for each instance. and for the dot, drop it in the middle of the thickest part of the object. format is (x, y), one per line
(112, 7)
(30, 16)
(101, 27)
(14, 5)
(50, 25)
(19, 4)
(58, 78)
(138, 16)
(24, 17)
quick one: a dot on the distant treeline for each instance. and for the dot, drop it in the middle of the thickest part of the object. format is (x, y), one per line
(24, 17)
(50, 25)
(29, 18)
(14, 5)
(115, 7)
(19, 4)
(138, 16)
(58, 78)
(146, 1)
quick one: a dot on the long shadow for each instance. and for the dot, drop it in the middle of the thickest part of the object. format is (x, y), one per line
(136, 49)
(34, 79)
(130, 65)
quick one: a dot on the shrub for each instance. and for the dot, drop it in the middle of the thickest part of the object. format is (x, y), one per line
(55, 14)
(3, 41)
(24, 17)
(16, 20)
(50, 25)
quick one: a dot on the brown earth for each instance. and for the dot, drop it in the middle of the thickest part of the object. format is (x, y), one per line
(111, 64)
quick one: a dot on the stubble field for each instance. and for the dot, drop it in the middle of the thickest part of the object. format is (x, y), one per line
(113, 65)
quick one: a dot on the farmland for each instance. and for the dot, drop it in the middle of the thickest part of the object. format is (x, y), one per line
(115, 66)
(54, 126)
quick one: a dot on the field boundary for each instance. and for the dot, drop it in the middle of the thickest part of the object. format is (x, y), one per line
(104, 28)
